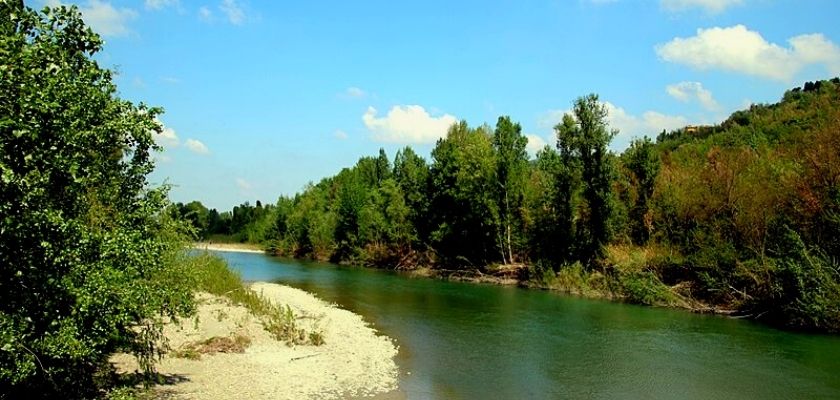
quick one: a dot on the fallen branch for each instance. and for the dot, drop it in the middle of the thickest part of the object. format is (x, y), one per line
(302, 357)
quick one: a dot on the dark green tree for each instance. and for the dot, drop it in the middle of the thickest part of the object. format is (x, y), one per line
(511, 165)
(352, 186)
(553, 204)
(383, 167)
(87, 251)
(643, 161)
(412, 175)
(198, 216)
(583, 137)
(464, 210)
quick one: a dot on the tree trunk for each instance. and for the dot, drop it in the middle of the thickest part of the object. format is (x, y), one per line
(508, 228)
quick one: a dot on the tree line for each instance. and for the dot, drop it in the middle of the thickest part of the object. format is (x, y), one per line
(481, 201)
(741, 216)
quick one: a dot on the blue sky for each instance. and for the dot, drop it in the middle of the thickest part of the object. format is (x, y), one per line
(262, 97)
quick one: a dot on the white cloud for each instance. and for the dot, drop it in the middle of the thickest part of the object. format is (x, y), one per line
(738, 49)
(162, 158)
(551, 118)
(170, 80)
(650, 123)
(691, 91)
(166, 137)
(746, 104)
(354, 92)
(205, 14)
(161, 4)
(103, 17)
(407, 124)
(196, 146)
(535, 143)
(234, 12)
(138, 82)
(243, 184)
(711, 6)
(340, 135)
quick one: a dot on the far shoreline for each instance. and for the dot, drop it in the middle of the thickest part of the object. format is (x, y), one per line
(227, 247)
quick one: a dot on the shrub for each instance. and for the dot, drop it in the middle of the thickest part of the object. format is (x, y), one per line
(806, 289)
(644, 287)
(89, 262)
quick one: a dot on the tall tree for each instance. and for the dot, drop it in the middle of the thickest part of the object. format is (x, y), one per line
(383, 167)
(584, 136)
(511, 164)
(198, 217)
(465, 211)
(86, 250)
(553, 196)
(351, 186)
(412, 175)
(643, 161)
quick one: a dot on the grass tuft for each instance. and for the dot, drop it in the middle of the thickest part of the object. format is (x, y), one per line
(215, 277)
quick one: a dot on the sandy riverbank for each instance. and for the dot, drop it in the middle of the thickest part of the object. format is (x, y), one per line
(230, 247)
(354, 361)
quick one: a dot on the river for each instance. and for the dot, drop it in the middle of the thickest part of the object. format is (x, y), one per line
(471, 341)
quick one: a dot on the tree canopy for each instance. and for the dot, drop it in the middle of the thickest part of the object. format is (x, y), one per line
(87, 257)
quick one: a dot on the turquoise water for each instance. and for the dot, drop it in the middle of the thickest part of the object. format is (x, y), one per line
(469, 341)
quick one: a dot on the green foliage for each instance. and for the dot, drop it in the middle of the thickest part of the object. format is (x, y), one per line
(806, 289)
(196, 215)
(89, 260)
(582, 139)
(643, 161)
(411, 173)
(570, 278)
(466, 214)
(511, 164)
(644, 287)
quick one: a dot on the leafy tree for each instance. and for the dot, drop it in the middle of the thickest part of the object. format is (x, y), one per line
(198, 216)
(216, 224)
(383, 167)
(583, 137)
(352, 187)
(87, 253)
(411, 173)
(312, 225)
(511, 164)
(552, 196)
(463, 181)
(643, 162)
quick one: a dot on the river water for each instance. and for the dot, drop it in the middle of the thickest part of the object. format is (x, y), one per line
(471, 341)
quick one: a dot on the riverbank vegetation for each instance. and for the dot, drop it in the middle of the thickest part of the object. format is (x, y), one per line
(215, 277)
(739, 217)
(91, 261)
(90, 265)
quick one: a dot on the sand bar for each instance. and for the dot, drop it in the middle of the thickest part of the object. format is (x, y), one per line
(354, 362)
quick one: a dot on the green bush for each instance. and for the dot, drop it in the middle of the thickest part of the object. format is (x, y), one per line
(644, 287)
(89, 260)
(806, 291)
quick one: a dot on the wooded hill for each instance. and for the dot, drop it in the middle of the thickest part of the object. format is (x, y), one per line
(741, 216)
